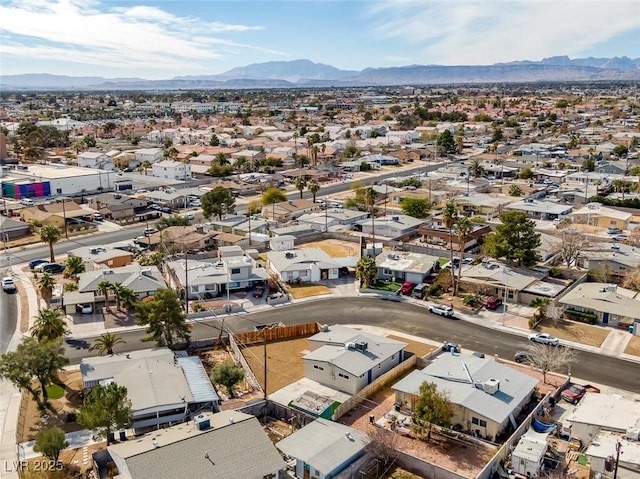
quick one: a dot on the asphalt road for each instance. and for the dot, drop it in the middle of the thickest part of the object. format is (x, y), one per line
(405, 317)
(8, 318)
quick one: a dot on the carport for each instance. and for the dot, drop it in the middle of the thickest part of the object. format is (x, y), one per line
(71, 298)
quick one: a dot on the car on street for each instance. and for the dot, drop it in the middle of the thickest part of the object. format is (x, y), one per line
(51, 268)
(155, 207)
(35, 262)
(27, 202)
(8, 285)
(419, 291)
(149, 231)
(521, 356)
(574, 393)
(613, 230)
(544, 338)
(441, 309)
(165, 209)
(620, 237)
(407, 287)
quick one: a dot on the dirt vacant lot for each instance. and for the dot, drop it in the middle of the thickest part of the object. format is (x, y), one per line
(334, 248)
(634, 346)
(307, 290)
(574, 331)
(284, 362)
(415, 347)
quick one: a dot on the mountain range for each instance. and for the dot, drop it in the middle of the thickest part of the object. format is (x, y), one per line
(305, 73)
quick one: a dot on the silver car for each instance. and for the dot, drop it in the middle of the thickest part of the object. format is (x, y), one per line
(441, 310)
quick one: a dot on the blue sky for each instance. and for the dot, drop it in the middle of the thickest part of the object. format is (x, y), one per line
(163, 39)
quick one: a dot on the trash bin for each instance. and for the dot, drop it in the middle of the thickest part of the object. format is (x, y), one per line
(631, 328)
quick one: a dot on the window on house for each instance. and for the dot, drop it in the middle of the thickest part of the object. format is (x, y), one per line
(235, 270)
(343, 376)
(478, 422)
(319, 368)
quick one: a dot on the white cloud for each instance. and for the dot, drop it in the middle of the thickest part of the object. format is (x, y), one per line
(482, 32)
(85, 31)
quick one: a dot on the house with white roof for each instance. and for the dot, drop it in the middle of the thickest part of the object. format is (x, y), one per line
(332, 219)
(405, 266)
(610, 303)
(95, 159)
(308, 265)
(543, 210)
(392, 226)
(347, 360)
(148, 154)
(175, 170)
(486, 396)
(143, 280)
(596, 214)
(162, 385)
(324, 449)
(617, 258)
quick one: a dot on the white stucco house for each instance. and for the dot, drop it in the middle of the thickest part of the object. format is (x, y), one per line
(95, 159)
(174, 170)
(148, 154)
(308, 265)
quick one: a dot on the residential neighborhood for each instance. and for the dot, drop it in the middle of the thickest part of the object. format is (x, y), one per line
(331, 284)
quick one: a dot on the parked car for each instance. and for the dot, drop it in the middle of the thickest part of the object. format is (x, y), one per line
(441, 310)
(195, 203)
(8, 285)
(419, 290)
(521, 357)
(155, 207)
(149, 231)
(575, 392)
(432, 278)
(492, 303)
(84, 308)
(165, 209)
(613, 230)
(52, 268)
(407, 287)
(258, 291)
(35, 262)
(27, 202)
(620, 237)
(97, 217)
(544, 338)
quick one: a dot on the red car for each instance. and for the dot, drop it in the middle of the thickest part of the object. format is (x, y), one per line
(492, 303)
(575, 392)
(407, 287)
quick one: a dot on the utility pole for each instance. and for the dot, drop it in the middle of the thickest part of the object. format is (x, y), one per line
(615, 470)
(186, 281)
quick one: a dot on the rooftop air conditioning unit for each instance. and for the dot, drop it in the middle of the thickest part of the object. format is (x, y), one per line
(202, 422)
(361, 346)
(491, 386)
(350, 345)
(395, 218)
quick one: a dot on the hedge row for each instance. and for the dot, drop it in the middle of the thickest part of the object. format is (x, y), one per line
(590, 318)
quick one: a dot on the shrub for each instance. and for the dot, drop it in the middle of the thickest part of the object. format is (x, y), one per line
(435, 290)
(532, 322)
(555, 273)
(71, 287)
(196, 307)
(472, 300)
(581, 316)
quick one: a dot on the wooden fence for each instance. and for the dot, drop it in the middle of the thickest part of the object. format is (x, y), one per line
(375, 386)
(276, 334)
(249, 377)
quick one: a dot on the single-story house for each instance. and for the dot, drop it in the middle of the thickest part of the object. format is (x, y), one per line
(332, 219)
(544, 210)
(106, 255)
(185, 238)
(610, 303)
(323, 449)
(347, 360)
(395, 226)
(163, 386)
(486, 396)
(405, 266)
(53, 213)
(288, 210)
(601, 216)
(13, 229)
(143, 280)
(308, 265)
(617, 258)
(482, 204)
(436, 234)
(222, 445)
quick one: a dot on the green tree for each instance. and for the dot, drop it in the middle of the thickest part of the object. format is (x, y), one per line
(46, 284)
(50, 442)
(219, 201)
(173, 220)
(589, 164)
(145, 166)
(476, 169)
(104, 287)
(117, 289)
(105, 410)
(446, 142)
(370, 199)
(449, 218)
(433, 407)
(75, 266)
(106, 343)
(227, 374)
(49, 325)
(620, 151)
(463, 229)
(416, 207)
(128, 298)
(515, 239)
(271, 196)
(301, 184)
(164, 318)
(515, 190)
(33, 359)
(50, 234)
(541, 304)
(526, 173)
(313, 186)
(366, 270)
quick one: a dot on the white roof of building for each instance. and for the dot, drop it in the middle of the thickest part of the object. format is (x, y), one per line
(500, 274)
(406, 261)
(615, 252)
(604, 445)
(324, 445)
(298, 259)
(168, 163)
(609, 411)
(604, 298)
(531, 446)
(596, 209)
(535, 206)
(448, 373)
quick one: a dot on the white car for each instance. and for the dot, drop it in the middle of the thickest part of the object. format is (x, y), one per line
(195, 203)
(8, 285)
(85, 308)
(441, 310)
(544, 338)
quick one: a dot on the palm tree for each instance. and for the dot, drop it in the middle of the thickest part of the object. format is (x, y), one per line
(476, 169)
(45, 285)
(464, 228)
(75, 266)
(128, 298)
(313, 186)
(104, 287)
(301, 183)
(50, 234)
(541, 305)
(221, 159)
(370, 197)
(49, 325)
(449, 217)
(117, 289)
(366, 270)
(619, 186)
(106, 342)
(144, 166)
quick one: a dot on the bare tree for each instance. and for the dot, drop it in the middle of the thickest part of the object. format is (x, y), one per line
(383, 445)
(549, 358)
(602, 273)
(571, 247)
(632, 280)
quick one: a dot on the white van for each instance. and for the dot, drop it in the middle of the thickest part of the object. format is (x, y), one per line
(27, 202)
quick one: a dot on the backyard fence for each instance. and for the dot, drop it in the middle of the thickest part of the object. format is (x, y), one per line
(276, 334)
(249, 377)
(375, 386)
